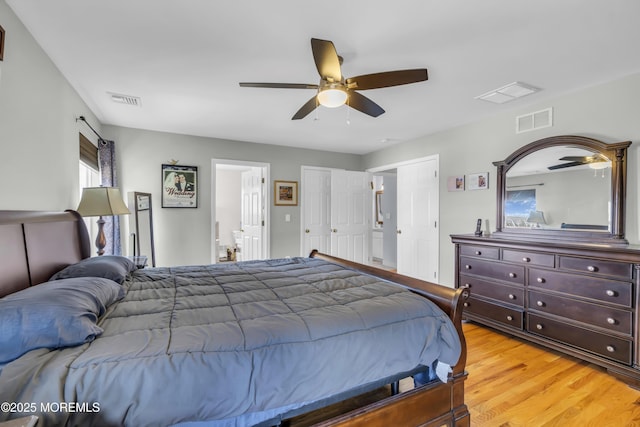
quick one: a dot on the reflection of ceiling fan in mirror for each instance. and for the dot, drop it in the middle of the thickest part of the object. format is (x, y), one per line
(593, 161)
(334, 90)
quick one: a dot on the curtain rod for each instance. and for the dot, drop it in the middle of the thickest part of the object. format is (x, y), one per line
(100, 139)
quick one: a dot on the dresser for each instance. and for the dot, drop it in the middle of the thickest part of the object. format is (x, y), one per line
(576, 298)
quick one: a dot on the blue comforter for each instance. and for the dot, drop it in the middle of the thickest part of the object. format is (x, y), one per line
(233, 343)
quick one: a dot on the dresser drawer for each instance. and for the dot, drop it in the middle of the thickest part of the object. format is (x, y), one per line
(492, 269)
(504, 293)
(610, 291)
(508, 316)
(622, 270)
(614, 319)
(599, 343)
(480, 251)
(533, 258)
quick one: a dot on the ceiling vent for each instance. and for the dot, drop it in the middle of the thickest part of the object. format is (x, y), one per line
(508, 93)
(533, 121)
(125, 99)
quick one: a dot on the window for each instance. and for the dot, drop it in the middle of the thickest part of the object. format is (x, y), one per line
(89, 176)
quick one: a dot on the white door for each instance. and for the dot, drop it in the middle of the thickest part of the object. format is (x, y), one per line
(316, 210)
(350, 215)
(417, 228)
(252, 215)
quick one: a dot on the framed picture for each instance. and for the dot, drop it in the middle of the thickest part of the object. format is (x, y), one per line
(179, 186)
(477, 181)
(455, 183)
(285, 193)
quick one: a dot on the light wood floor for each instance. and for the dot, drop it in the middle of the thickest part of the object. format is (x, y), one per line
(514, 383)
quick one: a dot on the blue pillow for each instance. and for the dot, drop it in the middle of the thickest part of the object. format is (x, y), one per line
(55, 314)
(111, 267)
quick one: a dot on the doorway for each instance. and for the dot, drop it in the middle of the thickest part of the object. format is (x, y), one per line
(239, 210)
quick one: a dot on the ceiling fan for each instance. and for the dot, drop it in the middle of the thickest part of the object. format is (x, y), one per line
(334, 90)
(579, 161)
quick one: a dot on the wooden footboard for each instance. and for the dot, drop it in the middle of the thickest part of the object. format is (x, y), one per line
(434, 404)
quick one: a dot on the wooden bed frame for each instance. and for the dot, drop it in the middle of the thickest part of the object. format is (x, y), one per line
(34, 245)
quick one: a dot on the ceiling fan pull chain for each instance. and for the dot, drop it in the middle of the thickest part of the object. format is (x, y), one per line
(348, 112)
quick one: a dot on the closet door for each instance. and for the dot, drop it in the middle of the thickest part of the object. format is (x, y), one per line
(316, 210)
(351, 215)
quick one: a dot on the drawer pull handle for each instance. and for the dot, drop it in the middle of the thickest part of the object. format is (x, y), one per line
(512, 296)
(611, 293)
(591, 268)
(512, 275)
(467, 266)
(611, 321)
(526, 259)
(540, 280)
(611, 349)
(509, 318)
(466, 285)
(478, 253)
(539, 327)
(540, 304)
(466, 304)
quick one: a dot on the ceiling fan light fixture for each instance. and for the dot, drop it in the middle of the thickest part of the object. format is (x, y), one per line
(599, 165)
(332, 97)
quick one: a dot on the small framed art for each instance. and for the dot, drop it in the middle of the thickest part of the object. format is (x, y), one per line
(179, 186)
(455, 183)
(1, 43)
(477, 181)
(285, 193)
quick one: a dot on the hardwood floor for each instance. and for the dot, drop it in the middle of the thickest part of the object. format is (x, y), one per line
(515, 383)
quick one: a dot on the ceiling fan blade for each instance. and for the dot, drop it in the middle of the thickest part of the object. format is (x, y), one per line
(280, 85)
(306, 109)
(326, 58)
(387, 79)
(566, 165)
(364, 104)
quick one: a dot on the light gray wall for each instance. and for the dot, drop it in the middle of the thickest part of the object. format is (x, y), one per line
(608, 112)
(38, 130)
(183, 236)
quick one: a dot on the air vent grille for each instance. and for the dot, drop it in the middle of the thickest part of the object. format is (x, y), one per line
(533, 121)
(126, 99)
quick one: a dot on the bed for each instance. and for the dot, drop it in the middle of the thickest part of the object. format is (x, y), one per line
(241, 344)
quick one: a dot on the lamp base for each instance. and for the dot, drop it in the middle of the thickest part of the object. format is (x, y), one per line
(101, 239)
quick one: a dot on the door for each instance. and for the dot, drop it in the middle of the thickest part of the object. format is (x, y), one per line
(417, 229)
(316, 210)
(252, 215)
(350, 215)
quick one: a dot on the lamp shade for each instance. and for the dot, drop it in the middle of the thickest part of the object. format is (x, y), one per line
(102, 201)
(536, 217)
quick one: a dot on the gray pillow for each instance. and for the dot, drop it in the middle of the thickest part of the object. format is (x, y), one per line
(55, 314)
(111, 267)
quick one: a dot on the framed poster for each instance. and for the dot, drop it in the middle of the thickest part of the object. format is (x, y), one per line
(477, 181)
(455, 183)
(179, 186)
(285, 193)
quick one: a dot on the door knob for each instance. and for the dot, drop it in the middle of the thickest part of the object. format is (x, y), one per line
(399, 231)
(334, 230)
(307, 231)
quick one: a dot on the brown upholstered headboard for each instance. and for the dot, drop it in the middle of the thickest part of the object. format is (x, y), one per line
(34, 245)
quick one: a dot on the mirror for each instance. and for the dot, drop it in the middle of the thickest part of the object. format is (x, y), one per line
(142, 227)
(566, 187)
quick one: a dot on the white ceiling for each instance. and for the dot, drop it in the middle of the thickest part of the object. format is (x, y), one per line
(184, 59)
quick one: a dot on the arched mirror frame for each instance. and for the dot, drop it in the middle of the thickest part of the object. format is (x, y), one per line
(616, 152)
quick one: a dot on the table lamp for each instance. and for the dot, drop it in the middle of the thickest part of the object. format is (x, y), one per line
(101, 201)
